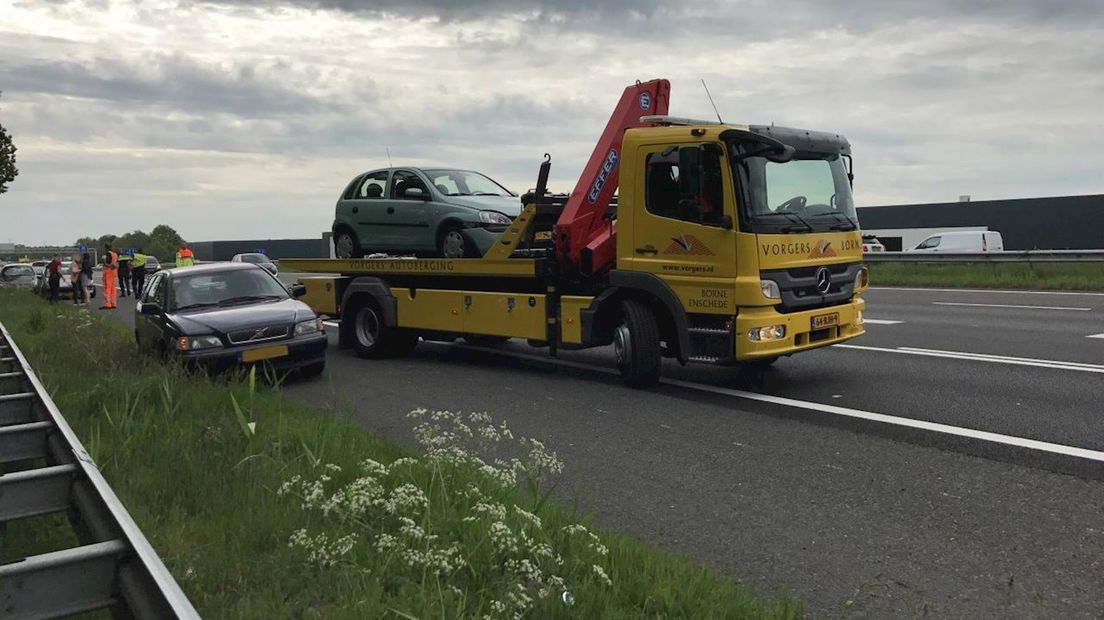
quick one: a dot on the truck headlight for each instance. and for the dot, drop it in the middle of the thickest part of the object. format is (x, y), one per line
(862, 279)
(771, 332)
(312, 326)
(495, 218)
(770, 289)
(196, 343)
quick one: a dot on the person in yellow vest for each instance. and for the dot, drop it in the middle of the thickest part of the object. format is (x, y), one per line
(184, 256)
(110, 278)
(138, 272)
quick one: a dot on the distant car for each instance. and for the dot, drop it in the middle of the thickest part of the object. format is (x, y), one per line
(969, 241)
(257, 259)
(222, 316)
(39, 266)
(152, 265)
(18, 274)
(870, 243)
(427, 212)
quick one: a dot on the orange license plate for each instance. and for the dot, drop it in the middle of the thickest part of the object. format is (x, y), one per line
(264, 353)
(825, 320)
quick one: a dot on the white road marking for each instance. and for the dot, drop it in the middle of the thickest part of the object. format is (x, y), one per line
(1096, 336)
(956, 303)
(332, 323)
(985, 290)
(935, 427)
(982, 357)
(881, 322)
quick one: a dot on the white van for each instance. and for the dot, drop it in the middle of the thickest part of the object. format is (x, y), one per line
(962, 241)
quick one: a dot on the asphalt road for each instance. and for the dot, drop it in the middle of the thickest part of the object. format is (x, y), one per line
(853, 518)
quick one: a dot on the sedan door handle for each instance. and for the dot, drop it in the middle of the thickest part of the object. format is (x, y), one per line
(647, 250)
(390, 209)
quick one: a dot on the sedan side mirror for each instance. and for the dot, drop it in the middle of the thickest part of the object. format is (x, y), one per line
(297, 290)
(150, 308)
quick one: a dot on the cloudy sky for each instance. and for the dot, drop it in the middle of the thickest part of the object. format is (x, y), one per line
(225, 120)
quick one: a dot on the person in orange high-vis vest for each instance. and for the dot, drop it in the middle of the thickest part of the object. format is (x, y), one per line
(184, 256)
(110, 278)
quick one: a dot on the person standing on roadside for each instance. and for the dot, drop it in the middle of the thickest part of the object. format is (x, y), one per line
(138, 272)
(76, 278)
(53, 276)
(124, 274)
(110, 277)
(184, 256)
(88, 269)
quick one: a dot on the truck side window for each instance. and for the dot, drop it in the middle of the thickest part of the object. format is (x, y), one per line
(371, 186)
(405, 181)
(694, 195)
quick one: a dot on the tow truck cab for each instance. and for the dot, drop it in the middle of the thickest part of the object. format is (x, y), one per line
(762, 251)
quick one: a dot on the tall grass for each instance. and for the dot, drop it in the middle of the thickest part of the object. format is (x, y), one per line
(258, 505)
(1043, 276)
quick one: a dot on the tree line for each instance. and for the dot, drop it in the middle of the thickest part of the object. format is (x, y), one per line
(162, 241)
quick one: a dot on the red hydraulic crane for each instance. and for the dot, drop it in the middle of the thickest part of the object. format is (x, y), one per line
(584, 239)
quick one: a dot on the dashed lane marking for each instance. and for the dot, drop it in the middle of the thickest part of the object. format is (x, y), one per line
(955, 303)
(981, 357)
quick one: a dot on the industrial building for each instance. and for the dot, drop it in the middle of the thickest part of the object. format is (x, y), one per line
(1057, 223)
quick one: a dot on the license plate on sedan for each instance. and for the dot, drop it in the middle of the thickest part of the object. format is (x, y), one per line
(825, 320)
(264, 353)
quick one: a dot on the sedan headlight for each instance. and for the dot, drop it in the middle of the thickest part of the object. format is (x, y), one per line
(312, 326)
(494, 217)
(197, 343)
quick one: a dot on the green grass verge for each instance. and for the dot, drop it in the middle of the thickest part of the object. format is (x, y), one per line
(263, 508)
(1045, 276)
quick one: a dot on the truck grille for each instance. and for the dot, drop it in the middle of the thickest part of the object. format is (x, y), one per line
(258, 334)
(800, 290)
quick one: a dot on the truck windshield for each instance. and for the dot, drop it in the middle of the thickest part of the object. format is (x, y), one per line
(801, 195)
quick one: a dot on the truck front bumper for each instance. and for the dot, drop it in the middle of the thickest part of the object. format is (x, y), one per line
(800, 333)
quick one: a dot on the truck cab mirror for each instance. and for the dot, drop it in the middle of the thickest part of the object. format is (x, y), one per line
(689, 159)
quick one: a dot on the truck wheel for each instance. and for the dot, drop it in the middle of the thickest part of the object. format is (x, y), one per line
(373, 339)
(453, 243)
(636, 343)
(346, 246)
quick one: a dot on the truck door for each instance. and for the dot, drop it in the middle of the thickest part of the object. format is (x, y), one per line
(682, 228)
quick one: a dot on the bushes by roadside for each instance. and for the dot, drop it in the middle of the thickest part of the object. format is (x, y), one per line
(263, 508)
(1043, 276)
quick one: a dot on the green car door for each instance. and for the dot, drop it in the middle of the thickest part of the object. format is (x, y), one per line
(367, 210)
(408, 212)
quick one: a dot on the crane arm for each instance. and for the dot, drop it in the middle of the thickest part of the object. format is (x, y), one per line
(585, 241)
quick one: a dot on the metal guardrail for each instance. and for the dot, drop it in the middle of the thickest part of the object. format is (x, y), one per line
(114, 567)
(1029, 256)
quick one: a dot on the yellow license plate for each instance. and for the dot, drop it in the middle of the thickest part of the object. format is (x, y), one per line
(825, 320)
(264, 353)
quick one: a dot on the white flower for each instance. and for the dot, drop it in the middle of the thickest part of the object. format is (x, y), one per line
(528, 516)
(602, 576)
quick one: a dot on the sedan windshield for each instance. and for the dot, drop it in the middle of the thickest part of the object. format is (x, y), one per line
(465, 183)
(225, 288)
(254, 258)
(802, 195)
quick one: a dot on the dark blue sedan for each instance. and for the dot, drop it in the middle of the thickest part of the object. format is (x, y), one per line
(222, 316)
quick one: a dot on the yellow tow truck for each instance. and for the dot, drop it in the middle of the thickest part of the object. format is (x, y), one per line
(727, 244)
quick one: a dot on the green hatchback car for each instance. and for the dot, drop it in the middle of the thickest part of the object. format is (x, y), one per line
(425, 212)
